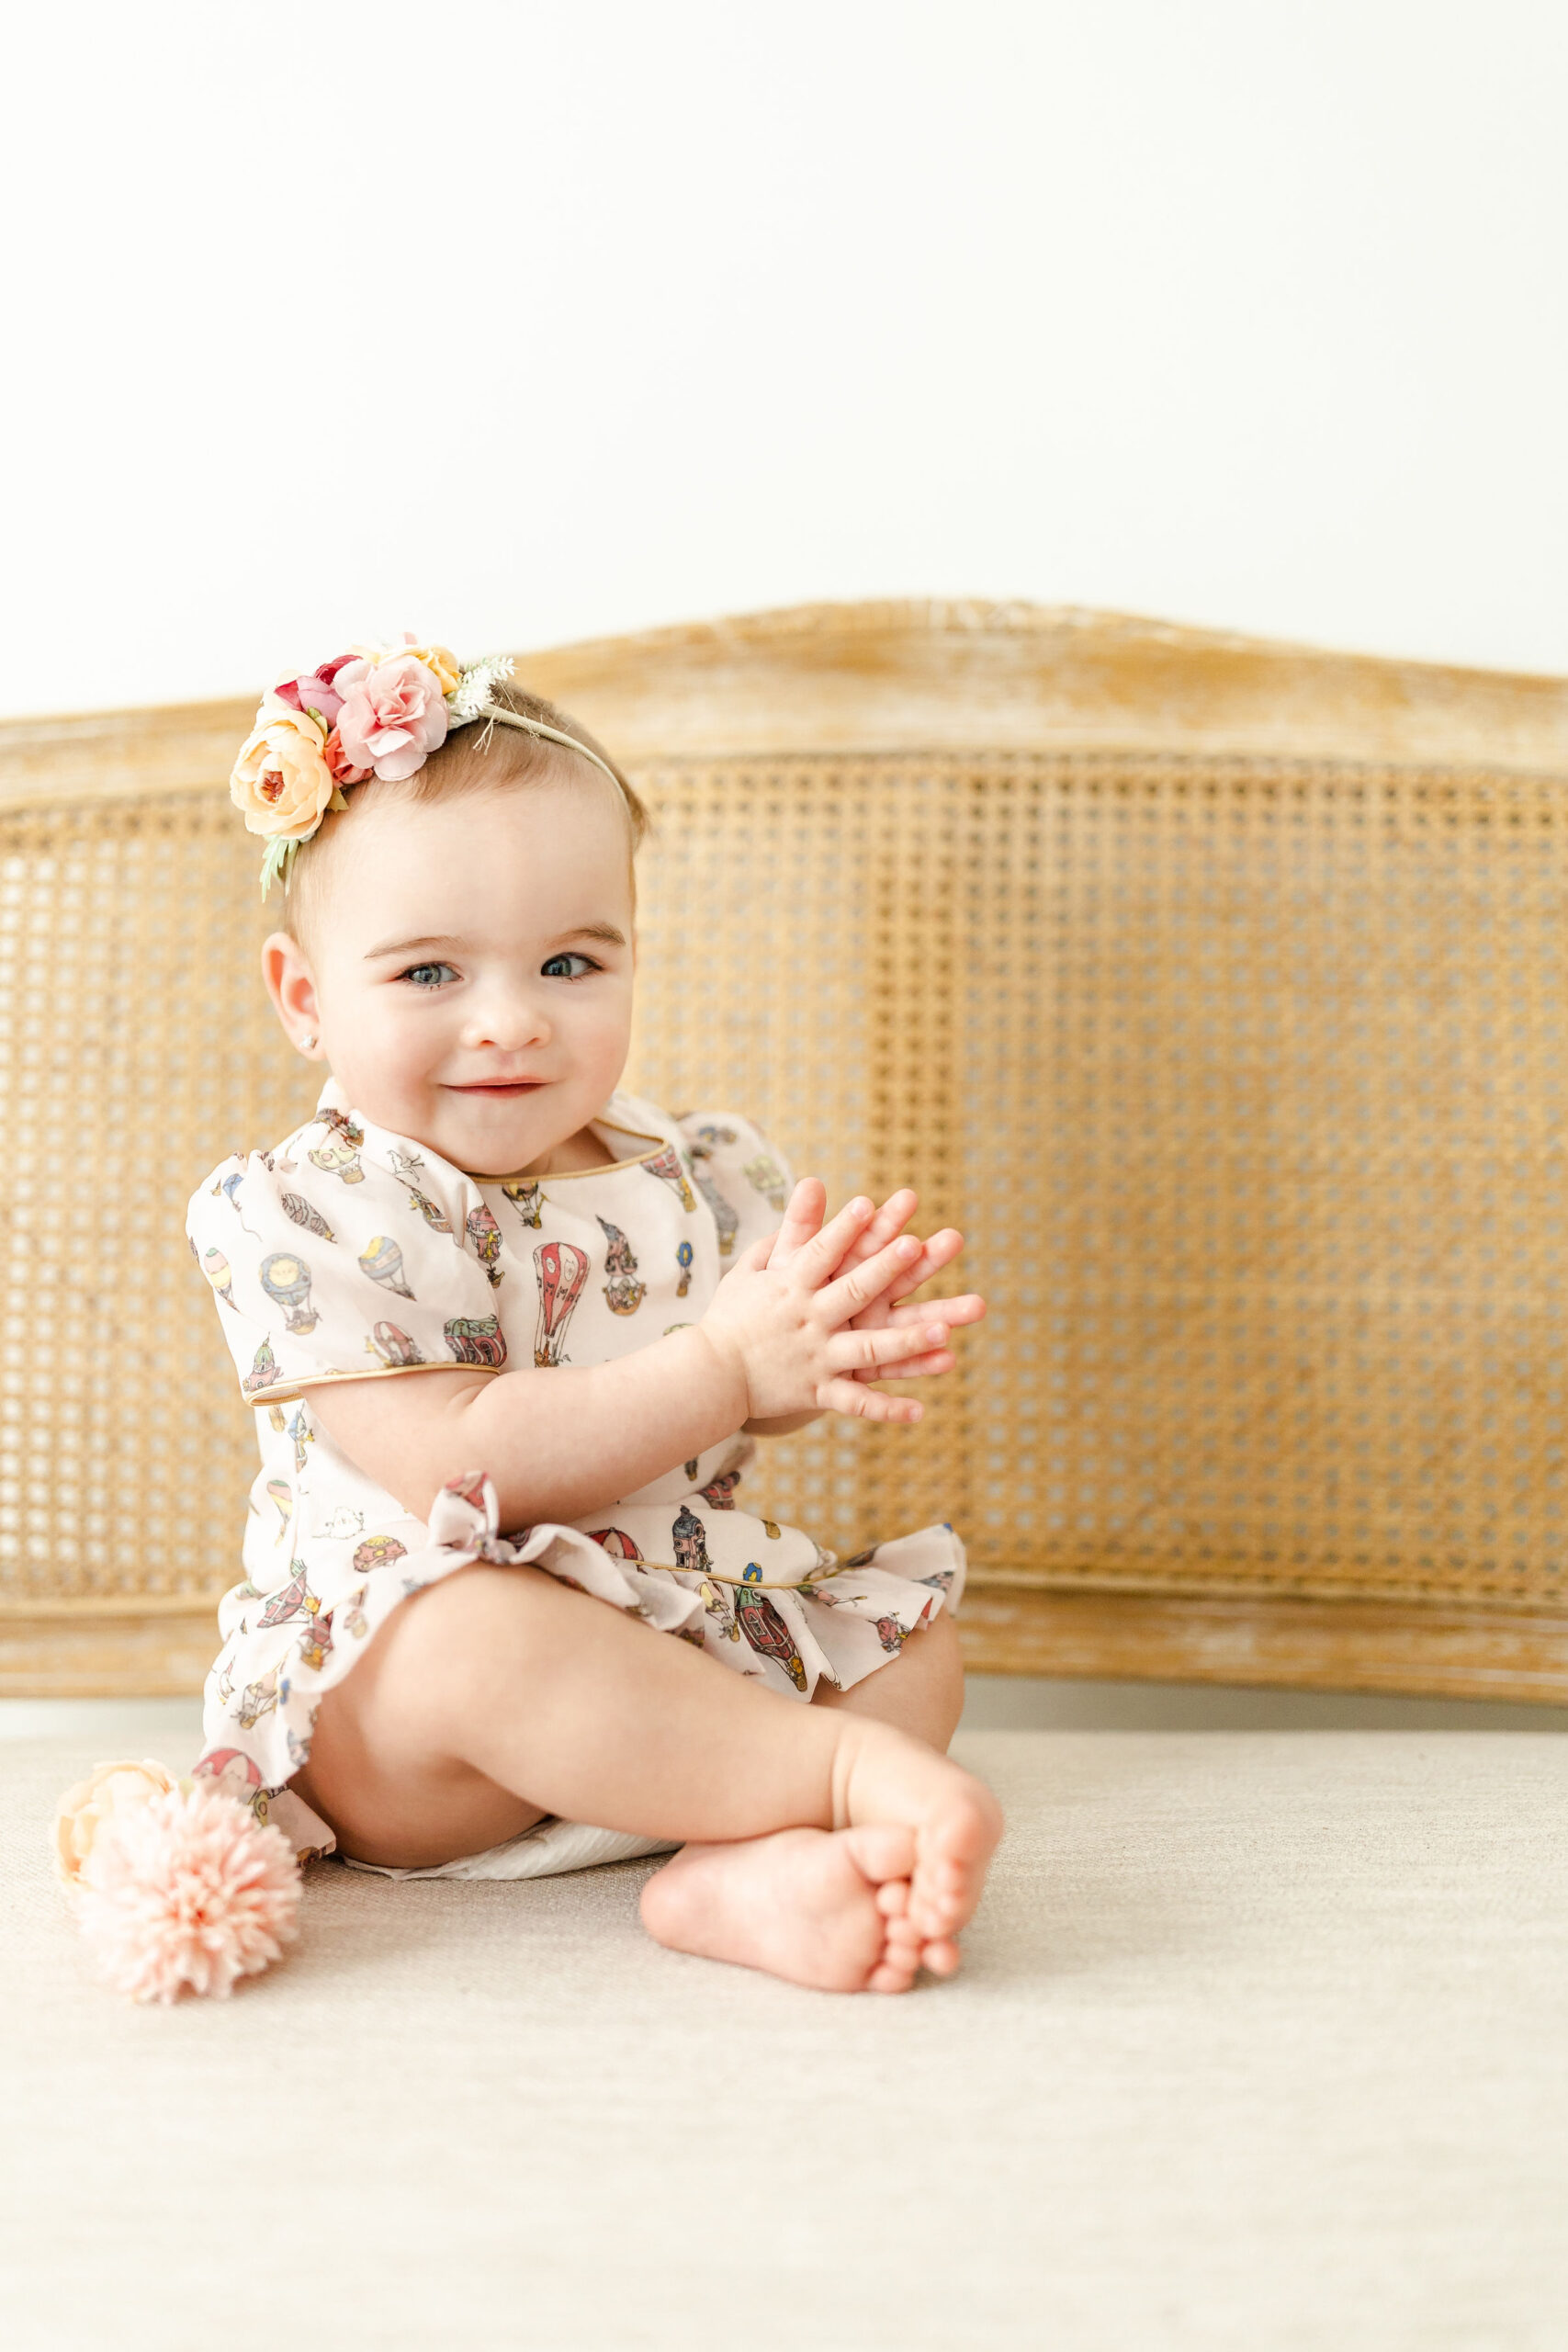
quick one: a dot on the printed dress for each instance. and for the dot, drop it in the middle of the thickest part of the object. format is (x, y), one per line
(350, 1253)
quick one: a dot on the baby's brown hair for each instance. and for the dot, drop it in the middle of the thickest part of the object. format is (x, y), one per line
(485, 755)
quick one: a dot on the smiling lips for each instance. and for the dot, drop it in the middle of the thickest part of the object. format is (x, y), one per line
(505, 1086)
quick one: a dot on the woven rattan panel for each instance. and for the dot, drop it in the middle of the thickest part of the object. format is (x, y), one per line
(136, 1048)
(1244, 1079)
(1245, 1082)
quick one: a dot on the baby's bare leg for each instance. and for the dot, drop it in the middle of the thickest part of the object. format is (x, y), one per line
(919, 1691)
(500, 1683)
(708, 1891)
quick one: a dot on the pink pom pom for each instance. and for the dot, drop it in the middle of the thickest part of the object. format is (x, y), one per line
(188, 1889)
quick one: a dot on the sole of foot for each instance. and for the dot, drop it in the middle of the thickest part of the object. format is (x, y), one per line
(826, 1908)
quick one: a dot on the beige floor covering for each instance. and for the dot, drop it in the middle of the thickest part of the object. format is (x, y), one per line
(1262, 2042)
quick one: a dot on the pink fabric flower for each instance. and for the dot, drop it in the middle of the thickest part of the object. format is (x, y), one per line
(342, 769)
(393, 716)
(314, 689)
(186, 1889)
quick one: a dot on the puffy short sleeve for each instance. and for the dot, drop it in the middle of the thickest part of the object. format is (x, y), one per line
(742, 1178)
(334, 1259)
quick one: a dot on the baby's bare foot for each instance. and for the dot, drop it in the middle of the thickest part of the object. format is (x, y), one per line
(955, 1820)
(823, 1908)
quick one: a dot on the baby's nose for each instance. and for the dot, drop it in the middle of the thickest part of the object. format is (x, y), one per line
(510, 1024)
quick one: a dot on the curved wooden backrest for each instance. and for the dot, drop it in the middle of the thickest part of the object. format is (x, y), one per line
(1214, 986)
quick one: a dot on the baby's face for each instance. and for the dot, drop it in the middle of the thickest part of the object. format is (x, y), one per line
(470, 973)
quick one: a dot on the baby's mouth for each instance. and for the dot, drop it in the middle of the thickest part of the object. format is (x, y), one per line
(503, 1089)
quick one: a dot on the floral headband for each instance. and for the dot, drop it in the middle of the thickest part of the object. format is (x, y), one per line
(377, 710)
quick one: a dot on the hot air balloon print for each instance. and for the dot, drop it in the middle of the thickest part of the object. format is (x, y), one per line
(716, 1601)
(236, 1774)
(890, 1633)
(301, 1432)
(377, 1552)
(528, 1200)
(721, 1492)
(263, 1371)
(293, 1600)
(383, 1260)
(287, 1279)
(684, 1260)
(216, 1267)
(257, 1699)
(316, 1641)
(767, 1633)
(475, 1338)
(484, 1234)
(623, 1292)
(765, 1176)
(666, 1166)
(282, 1494)
(393, 1346)
(724, 1216)
(690, 1539)
(296, 1206)
(561, 1268)
(708, 1139)
(335, 1155)
(617, 1542)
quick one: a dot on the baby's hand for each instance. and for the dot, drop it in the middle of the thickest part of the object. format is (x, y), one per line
(784, 1315)
(939, 1251)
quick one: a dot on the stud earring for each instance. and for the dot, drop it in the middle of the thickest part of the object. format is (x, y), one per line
(307, 1043)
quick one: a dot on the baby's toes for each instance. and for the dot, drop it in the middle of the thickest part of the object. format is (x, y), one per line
(892, 1897)
(942, 1956)
(903, 1936)
(892, 1975)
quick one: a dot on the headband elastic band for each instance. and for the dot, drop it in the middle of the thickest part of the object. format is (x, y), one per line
(538, 727)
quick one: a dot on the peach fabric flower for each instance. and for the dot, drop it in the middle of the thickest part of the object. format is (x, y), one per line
(439, 660)
(188, 1889)
(394, 715)
(82, 1812)
(281, 780)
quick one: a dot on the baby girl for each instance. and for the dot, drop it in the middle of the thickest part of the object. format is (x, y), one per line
(478, 1252)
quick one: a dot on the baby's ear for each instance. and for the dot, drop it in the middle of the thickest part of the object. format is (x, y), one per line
(291, 984)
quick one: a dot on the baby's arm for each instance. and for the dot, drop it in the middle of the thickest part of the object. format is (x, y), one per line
(561, 1441)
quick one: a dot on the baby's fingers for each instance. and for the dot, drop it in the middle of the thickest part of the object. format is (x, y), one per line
(802, 1218)
(856, 1289)
(970, 1308)
(889, 1221)
(885, 1348)
(858, 1403)
(822, 1256)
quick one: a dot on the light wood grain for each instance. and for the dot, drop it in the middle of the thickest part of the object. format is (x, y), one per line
(896, 675)
(1440, 1652)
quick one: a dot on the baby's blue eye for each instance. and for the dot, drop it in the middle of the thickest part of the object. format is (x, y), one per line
(427, 976)
(559, 968)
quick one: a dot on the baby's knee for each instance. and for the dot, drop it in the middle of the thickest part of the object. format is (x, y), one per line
(479, 1615)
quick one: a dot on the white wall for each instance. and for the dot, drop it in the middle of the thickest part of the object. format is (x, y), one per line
(519, 323)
